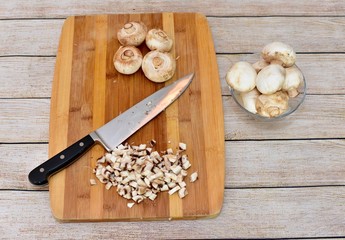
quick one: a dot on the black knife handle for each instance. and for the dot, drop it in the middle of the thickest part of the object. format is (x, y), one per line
(40, 174)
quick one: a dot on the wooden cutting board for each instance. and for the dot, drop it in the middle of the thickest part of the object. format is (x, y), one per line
(88, 92)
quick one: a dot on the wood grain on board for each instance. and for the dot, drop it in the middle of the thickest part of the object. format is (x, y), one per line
(88, 92)
(247, 213)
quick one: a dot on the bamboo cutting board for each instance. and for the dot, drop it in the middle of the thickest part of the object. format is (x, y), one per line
(88, 92)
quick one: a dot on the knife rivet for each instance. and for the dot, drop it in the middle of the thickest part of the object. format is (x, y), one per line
(62, 156)
(41, 169)
(81, 144)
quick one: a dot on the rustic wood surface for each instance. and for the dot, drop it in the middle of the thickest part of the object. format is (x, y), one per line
(282, 181)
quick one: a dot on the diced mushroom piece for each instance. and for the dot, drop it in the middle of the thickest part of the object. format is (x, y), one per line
(182, 184)
(124, 173)
(121, 147)
(108, 185)
(186, 165)
(183, 172)
(109, 168)
(101, 160)
(155, 185)
(182, 192)
(176, 169)
(131, 176)
(172, 185)
(155, 176)
(133, 184)
(172, 158)
(128, 196)
(142, 147)
(148, 150)
(141, 182)
(134, 193)
(147, 173)
(167, 179)
(182, 146)
(141, 190)
(107, 156)
(193, 177)
(170, 151)
(152, 196)
(164, 188)
(148, 166)
(147, 182)
(172, 176)
(125, 181)
(130, 205)
(153, 142)
(179, 178)
(93, 181)
(175, 189)
(184, 158)
(148, 193)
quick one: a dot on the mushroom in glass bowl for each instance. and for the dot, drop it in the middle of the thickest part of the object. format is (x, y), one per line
(279, 85)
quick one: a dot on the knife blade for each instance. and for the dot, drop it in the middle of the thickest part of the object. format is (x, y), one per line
(115, 131)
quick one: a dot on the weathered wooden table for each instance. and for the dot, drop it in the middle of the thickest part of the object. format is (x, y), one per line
(283, 180)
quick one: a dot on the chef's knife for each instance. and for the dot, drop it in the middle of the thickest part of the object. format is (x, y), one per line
(114, 132)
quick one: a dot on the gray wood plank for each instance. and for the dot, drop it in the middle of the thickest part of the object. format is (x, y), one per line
(231, 35)
(64, 8)
(246, 213)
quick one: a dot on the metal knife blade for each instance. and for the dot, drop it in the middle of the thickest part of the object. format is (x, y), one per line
(114, 132)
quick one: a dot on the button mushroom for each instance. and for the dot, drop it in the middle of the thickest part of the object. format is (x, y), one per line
(280, 53)
(270, 79)
(127, 60)
(259, 65)
(241, 77)
(157, 39)
(293, 80)
(158, 66)
(249, 100)
(272, 105)
(132, 34)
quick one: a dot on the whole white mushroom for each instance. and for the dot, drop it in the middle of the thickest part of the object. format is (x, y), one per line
(293, 80)
(270, 79)
(132, 34)
(157, 39)
(249, 100)
(272, 105)
(241, 77)
(127, 60)
(278, 52)
(158, 66)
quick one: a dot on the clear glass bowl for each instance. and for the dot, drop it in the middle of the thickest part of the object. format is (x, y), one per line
(294, 103)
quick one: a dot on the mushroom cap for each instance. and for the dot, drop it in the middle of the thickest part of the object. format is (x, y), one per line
(279, 52)
(158, 66)
(259, 65)
(157, 39)
(132, 34)
(127, 60)
(249, 100)
(293, 79)
(270, 79)
(272, 105)
(241, 77)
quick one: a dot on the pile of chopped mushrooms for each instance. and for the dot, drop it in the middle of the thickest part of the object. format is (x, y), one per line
(266, 86)
(158, 65)
(139, 172)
